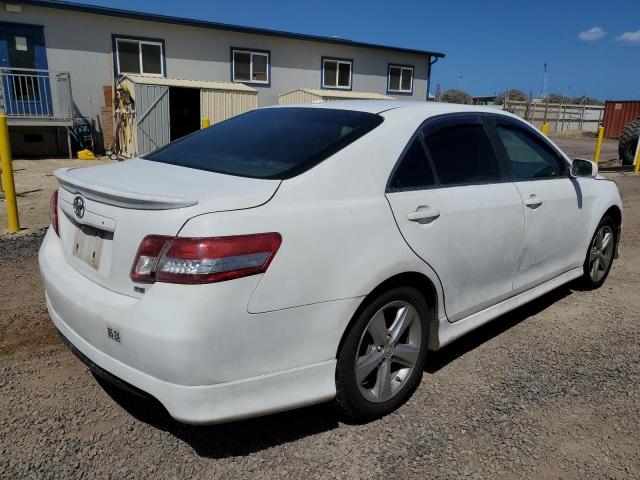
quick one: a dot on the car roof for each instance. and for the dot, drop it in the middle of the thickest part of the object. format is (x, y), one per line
(379, 106)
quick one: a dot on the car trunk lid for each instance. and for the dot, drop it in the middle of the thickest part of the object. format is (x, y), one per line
(106, 211)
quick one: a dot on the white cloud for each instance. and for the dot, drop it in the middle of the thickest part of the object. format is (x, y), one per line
(630, 38)
(592, 35)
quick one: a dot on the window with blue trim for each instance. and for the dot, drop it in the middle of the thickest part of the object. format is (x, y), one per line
(336, 73)
(250, 66)
(139, 56)
(400, 79)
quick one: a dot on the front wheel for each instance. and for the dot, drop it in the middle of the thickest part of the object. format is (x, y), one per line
(381, 360)
(600, 254)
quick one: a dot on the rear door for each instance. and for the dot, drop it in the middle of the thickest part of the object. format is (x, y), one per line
(457, 209)
(555, 215)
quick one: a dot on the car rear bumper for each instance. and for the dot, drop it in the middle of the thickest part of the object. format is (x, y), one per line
(212, 403)
(204, 357)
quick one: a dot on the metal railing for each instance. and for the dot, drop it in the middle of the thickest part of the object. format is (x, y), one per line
(33, 93)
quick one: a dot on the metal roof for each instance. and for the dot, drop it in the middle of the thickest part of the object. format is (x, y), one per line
(181, 82)
(346, 94)
(154, 17)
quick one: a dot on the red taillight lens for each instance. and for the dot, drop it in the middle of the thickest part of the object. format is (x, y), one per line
(203, 260)
(53, 213)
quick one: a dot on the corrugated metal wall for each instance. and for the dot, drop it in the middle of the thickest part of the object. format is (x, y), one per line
(617, 114)
(297, 96)
(152, 117)
(218, 105)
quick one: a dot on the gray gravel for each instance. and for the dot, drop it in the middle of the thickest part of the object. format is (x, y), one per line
(549, 391)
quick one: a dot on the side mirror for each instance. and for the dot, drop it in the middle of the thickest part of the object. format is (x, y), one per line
(583, 168)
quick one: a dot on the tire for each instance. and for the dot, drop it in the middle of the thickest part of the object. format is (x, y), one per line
(629, 141)
(590, 281)
(371, 341)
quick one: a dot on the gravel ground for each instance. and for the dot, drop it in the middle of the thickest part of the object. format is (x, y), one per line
(585, 147)
(551, 390)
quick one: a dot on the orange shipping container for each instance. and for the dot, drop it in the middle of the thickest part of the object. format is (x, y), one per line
(617, 113)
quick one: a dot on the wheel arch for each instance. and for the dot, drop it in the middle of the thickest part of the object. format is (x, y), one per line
(615, 213)
(417, 280)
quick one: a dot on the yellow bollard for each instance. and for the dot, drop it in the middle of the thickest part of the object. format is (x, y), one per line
(205, 122)
(596, 157)
(8, 183)
(545, 129)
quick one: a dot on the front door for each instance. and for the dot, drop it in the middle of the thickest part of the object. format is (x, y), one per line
(458, 211)
(23, 64)
(554, 205)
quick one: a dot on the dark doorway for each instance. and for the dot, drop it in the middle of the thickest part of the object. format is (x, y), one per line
(184, 111)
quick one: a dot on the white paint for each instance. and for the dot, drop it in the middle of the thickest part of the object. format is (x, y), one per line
(268, 342)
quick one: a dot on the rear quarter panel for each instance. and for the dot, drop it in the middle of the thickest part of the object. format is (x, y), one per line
(339, 236)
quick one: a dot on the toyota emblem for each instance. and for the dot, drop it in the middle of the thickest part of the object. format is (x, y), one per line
(78, 206)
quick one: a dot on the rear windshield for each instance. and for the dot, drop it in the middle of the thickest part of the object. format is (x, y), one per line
(273, 143)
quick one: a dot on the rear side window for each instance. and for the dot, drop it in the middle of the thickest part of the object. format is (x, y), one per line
(462, 154)
(413, 171)
(530, 158)
(273, 143)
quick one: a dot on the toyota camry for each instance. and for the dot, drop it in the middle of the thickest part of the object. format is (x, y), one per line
(302, 254)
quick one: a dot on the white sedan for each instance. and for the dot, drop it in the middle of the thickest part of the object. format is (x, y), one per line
(294, 255)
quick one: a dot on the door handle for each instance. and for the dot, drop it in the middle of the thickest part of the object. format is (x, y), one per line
(423, 215)
(533, 201)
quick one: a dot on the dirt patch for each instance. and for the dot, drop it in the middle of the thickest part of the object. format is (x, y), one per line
(34, 185)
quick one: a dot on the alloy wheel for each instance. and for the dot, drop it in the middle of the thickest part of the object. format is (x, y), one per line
(388, 351)
(601, 253)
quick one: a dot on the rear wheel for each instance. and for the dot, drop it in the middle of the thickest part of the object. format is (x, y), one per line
(381, 360)
(600, 255)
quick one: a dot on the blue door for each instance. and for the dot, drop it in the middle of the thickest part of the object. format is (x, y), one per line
(23, 63)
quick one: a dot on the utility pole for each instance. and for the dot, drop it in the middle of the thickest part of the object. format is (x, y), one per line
(544, 82)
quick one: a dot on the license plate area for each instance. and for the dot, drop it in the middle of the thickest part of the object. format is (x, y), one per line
(87, 245)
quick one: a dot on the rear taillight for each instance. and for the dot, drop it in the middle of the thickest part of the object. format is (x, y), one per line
(203, 260)
(53, 212)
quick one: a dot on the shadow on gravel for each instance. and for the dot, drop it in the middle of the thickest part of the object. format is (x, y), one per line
(472, 340)
(232, 439)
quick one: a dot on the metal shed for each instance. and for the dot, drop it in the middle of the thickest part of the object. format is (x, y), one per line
(146, 117)
(306, 95)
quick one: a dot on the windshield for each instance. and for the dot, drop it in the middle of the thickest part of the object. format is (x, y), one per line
(273, 143)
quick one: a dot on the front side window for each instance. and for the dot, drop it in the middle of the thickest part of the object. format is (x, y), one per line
(250, 66)
(274, 143)
(463, 154)
(336, 73)
(139, 56)
(530, 159)
(400, 79)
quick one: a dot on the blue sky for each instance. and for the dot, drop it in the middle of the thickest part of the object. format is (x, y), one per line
(490, 45)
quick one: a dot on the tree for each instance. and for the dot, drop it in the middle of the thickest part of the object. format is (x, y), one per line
(558, 98)
(454, 95)
(587, 101)
(513, 94)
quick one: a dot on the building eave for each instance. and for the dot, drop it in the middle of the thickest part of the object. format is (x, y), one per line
(154, 17)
